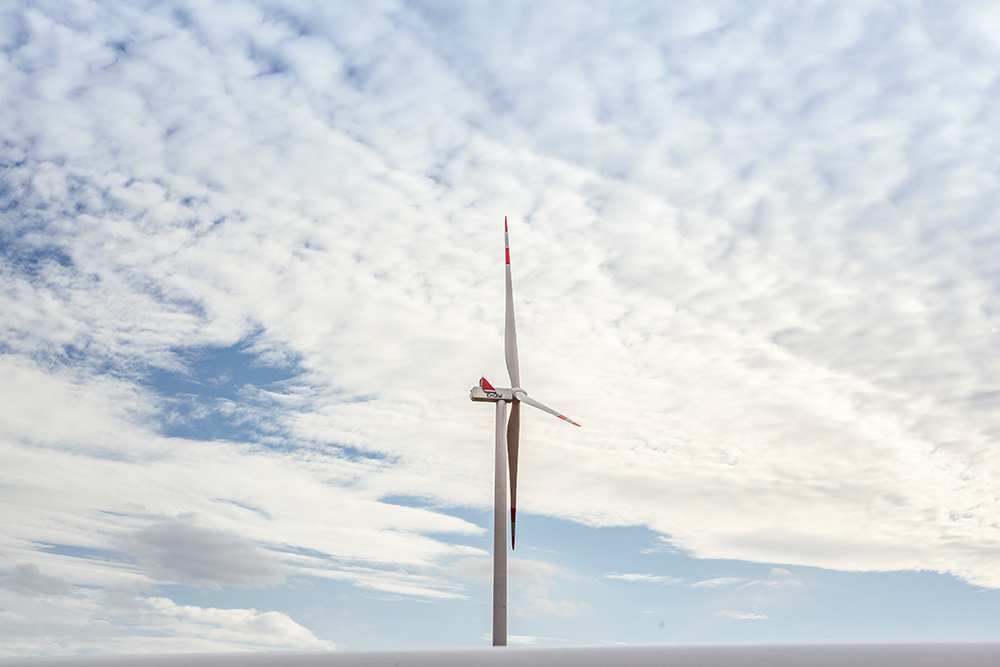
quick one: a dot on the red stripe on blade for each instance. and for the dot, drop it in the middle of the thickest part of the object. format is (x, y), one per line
(508, 254)
(512, 524)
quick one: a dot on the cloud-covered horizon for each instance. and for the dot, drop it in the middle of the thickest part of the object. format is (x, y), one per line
(250, 270)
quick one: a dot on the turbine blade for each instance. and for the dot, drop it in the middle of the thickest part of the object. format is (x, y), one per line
(513, 435)
(521, 396)
(509, 335)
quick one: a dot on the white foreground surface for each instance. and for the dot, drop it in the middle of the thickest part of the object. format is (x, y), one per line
(725, 655)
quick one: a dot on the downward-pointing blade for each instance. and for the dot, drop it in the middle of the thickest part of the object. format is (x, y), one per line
(521, 396)
(509, 335)
(513, 434)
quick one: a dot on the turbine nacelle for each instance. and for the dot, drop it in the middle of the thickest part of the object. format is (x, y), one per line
(479, 394)
(487, 393)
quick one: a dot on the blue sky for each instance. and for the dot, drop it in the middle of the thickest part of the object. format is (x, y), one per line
(251, 265)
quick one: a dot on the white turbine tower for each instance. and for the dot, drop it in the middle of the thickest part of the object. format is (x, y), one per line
(506, 449)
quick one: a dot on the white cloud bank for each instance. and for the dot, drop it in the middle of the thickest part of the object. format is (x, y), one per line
(755, 254)
(44, 614)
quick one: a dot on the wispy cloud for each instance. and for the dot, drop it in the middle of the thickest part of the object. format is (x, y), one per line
(645, 578)
(717, 582)
(743, 616)
(537, 600)
(779, 578)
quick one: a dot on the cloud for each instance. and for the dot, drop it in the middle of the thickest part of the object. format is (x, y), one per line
(112, 482)
(521, 639)
(661, 545)
(743, 616)
(717, 582)
(538, 601)
(398, 583)
(769, 234)
(181, 552)
(646, 578)
(517, 568)
(540, 590)
(771, 583)
(247, 626)
(779, 578)
(90, 622)
(28, 580)
(534, 585)
(543, 595)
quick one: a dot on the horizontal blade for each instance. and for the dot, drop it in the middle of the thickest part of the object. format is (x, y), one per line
(521, 396)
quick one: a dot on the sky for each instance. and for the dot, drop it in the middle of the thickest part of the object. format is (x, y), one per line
(251, 265)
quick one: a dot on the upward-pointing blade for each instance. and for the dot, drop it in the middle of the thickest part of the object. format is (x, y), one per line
(509, 335)
(521, 396)
(513, 434)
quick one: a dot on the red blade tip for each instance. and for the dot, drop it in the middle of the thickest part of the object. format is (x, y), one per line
(485, 385)
(512, 511)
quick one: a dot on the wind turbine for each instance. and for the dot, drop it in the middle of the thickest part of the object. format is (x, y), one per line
(506, 450)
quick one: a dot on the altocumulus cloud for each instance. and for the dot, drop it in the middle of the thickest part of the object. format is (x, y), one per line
(770, 232)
